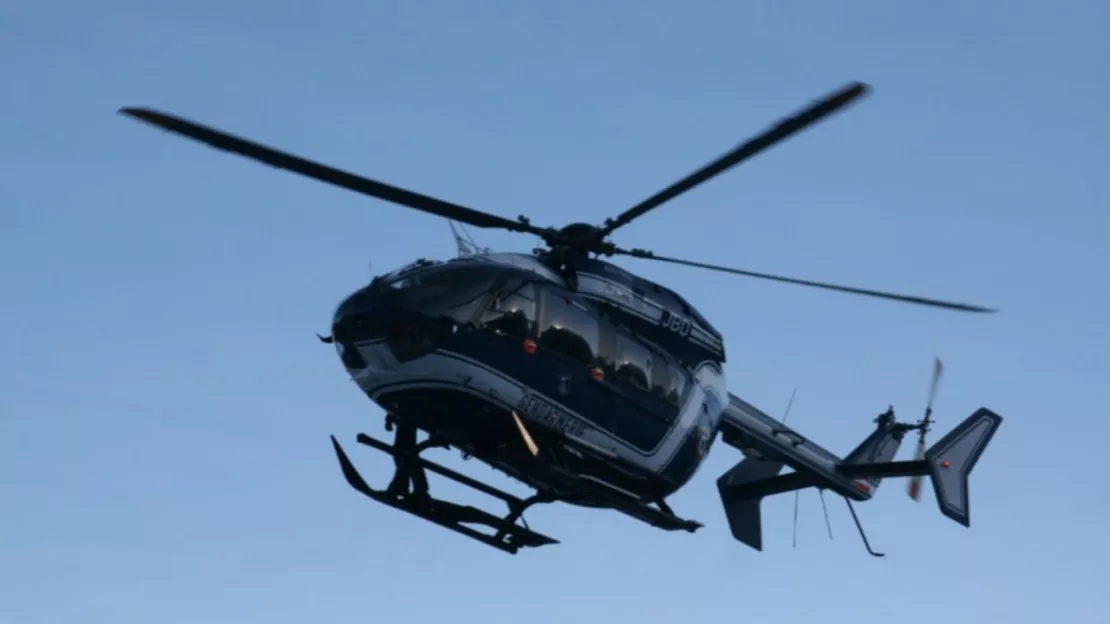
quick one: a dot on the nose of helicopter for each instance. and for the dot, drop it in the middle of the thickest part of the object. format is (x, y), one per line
(407, 327)
(412, 317)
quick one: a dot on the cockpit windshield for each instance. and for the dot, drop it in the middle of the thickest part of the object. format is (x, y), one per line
(406, 281)
(435, 289)
(404, 277)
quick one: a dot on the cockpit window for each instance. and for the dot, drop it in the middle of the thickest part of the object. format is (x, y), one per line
(513, 311)
(634, 363)
(403, 282)
(410, 280)
(406, 276)
(430, 286)
(569, 329)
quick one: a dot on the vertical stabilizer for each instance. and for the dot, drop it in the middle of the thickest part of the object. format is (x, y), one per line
(879, 447)
(952, 459)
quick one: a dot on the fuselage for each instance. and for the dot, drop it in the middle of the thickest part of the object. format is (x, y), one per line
(456, 347)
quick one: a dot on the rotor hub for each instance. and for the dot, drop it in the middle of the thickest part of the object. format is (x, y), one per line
(581, 239)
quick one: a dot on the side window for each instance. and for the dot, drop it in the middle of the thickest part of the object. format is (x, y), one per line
(634, 363)
(670, 382)
(568, 329)
(678, 384)
(513, 312)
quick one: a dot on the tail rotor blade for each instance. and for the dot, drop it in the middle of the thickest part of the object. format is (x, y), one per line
(914, 486)
(938, 370)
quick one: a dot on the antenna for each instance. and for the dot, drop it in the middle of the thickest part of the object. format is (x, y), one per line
(473, 243)
(828, 525)
(464, 242)
(797, 493)
(789, 404)
(469, 238)
(461, 243)
(785, 415)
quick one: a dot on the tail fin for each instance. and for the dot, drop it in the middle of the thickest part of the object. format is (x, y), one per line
(951, 460)
(948, 463)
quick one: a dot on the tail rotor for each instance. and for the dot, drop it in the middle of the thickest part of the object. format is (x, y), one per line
(923, 426)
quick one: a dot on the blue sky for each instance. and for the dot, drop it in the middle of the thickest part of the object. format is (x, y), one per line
(164, 406)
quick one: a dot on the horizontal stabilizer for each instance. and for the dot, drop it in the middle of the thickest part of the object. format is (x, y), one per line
(951, 460)
(742, 490)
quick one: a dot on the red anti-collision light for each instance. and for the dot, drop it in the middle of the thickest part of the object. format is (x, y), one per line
(529, 347)
(598, 374)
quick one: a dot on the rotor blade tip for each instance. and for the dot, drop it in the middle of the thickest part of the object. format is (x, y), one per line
(854, 90)
(138, 112)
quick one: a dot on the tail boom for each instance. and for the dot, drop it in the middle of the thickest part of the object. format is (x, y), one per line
(770, 446)
(762, 438)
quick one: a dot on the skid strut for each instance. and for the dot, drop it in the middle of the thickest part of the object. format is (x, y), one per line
(508, 537)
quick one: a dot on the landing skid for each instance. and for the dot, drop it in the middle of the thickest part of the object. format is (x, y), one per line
(661, 518)
(509, 536)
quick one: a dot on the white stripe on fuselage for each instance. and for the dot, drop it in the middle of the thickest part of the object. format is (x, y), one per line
(384, 374)
(614, 293)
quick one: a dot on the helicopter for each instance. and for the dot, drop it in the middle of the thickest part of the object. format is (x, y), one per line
(590, 384)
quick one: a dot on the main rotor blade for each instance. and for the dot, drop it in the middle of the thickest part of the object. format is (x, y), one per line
(783, 130)
(255, 151)
(647, 255)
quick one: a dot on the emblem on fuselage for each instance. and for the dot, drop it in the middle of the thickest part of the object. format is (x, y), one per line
(539, 410)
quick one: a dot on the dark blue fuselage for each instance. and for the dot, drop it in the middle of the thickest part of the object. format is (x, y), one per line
(456, 347)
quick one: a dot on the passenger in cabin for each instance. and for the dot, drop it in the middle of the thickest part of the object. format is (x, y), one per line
(565, 341)
(573, 333)
(569, 330)
(633, 363)
(511, 323)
